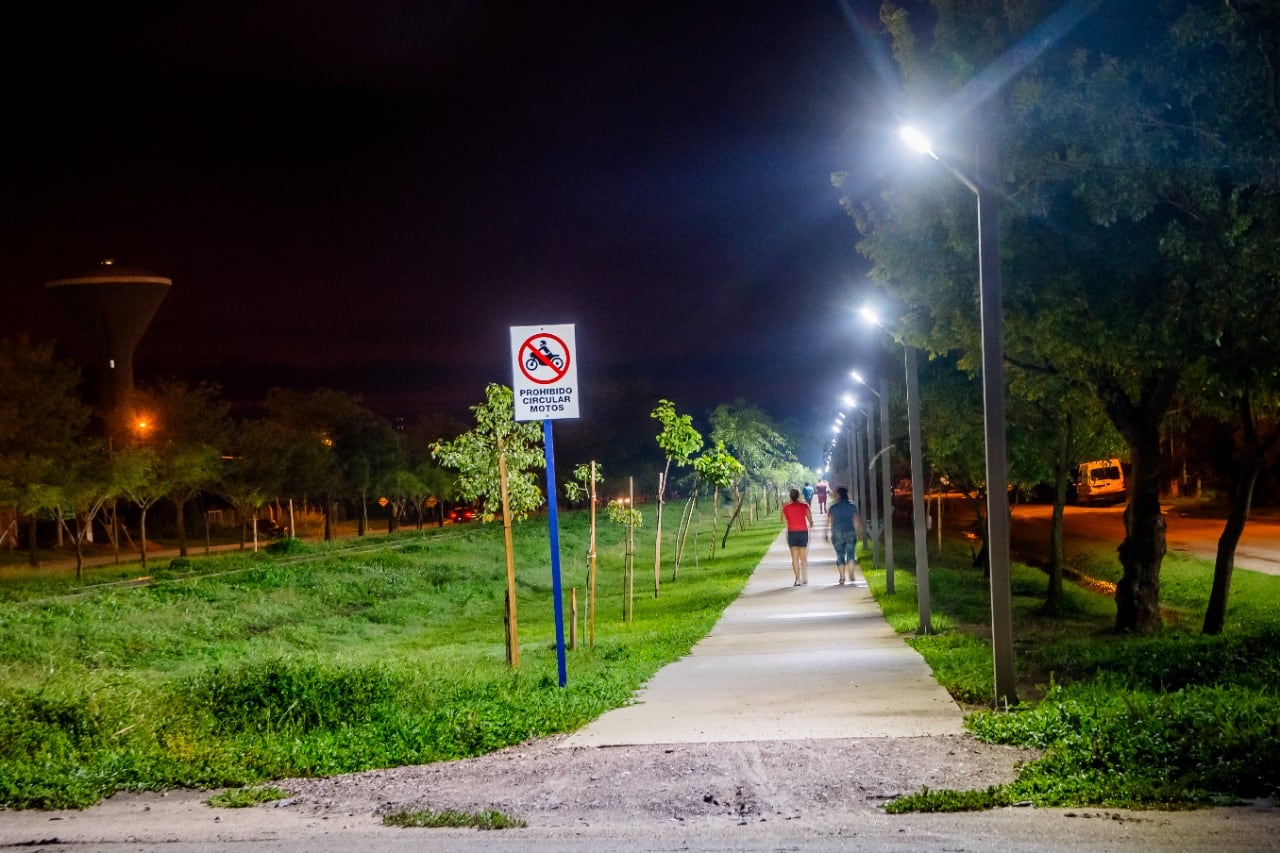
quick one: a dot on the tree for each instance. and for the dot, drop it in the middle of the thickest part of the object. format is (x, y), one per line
(622, 512)
(254, 468)
(751, 437)
(42, 422)
(1138, 169)
(437, 486)
(679, 441)
(437, 482)
(475, 454)
(582, 486)
(717, 468)
(1192, 113)
(496, 462)
(141, 476)
(369, 451)
(188, 427)
(1061, 424)
(304, 438)
(401, 489)
(88, 478)
(338, 447)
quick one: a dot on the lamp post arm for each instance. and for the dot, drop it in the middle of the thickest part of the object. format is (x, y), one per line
(961, 177)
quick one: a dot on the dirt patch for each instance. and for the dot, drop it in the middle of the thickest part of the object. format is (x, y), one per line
(719, 783)
(747, 796)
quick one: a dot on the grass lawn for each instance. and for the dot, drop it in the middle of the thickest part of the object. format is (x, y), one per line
(317, 659)
(1174, 720)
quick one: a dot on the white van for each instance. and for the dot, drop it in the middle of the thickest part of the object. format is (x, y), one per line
(1099, 481)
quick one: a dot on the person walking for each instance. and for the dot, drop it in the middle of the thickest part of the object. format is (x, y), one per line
(821, 491)
(842, 532)
(808, 494)
(798, 518)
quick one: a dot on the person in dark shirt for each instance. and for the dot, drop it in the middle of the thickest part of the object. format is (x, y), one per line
(842, 532)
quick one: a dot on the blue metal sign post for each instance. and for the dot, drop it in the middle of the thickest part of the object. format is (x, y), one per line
(553, 522)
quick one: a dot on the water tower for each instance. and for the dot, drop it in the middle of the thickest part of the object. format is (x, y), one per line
(113, 306)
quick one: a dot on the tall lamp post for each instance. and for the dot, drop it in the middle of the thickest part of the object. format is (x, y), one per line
(869, 480)
(886, 478)
(917, 477)
(989, 290)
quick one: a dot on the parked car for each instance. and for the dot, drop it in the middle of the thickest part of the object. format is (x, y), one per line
(1099, 481)
(463, 513)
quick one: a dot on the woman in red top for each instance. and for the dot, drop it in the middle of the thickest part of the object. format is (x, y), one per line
(798, 518)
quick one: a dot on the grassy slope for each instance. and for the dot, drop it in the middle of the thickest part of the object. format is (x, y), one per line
(249, 667)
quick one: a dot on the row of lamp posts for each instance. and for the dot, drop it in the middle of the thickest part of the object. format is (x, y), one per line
(917, 477)
(997, 537)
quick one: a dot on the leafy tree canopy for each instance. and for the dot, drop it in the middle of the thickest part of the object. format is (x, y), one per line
(474, 455)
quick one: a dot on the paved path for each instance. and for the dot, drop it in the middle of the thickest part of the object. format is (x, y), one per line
(787, 662)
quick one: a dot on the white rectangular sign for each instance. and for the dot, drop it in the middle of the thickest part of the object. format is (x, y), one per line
(545, 372)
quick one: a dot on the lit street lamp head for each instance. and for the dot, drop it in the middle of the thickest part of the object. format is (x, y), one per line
(916, 140)
(857, 377)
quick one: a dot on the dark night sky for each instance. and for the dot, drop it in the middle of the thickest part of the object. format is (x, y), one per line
(366, 195)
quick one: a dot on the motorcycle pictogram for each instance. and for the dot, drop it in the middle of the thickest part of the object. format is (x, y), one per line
(552, 358)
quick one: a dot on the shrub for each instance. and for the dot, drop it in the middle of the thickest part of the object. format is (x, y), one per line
(288, 545)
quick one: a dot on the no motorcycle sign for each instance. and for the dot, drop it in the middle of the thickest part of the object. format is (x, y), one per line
(545, 372)
(545, 381)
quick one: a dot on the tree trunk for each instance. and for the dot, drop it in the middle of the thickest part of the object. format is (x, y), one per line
(1143, 548)
(33, 555)
(1244, 476)
(737, 510)
(657, 542)
(682, 534)
(1053, 595)
(80, 549)
(179, 505)
(1215, 616)
(715, 519)
(142, 537)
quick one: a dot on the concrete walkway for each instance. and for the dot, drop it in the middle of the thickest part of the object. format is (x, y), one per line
(787, 662)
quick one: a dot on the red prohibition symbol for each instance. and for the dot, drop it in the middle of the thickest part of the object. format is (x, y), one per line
(544, 359)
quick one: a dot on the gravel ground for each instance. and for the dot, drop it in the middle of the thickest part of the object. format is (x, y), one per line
(719, 783)
(752, 796)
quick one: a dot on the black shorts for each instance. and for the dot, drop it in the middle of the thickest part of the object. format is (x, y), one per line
(797, 539)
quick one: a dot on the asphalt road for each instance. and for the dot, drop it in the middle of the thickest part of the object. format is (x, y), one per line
(1259, 548)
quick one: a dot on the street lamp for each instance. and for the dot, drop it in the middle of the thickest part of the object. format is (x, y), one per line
(989, 295)
(917, 476)
(886, 479)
